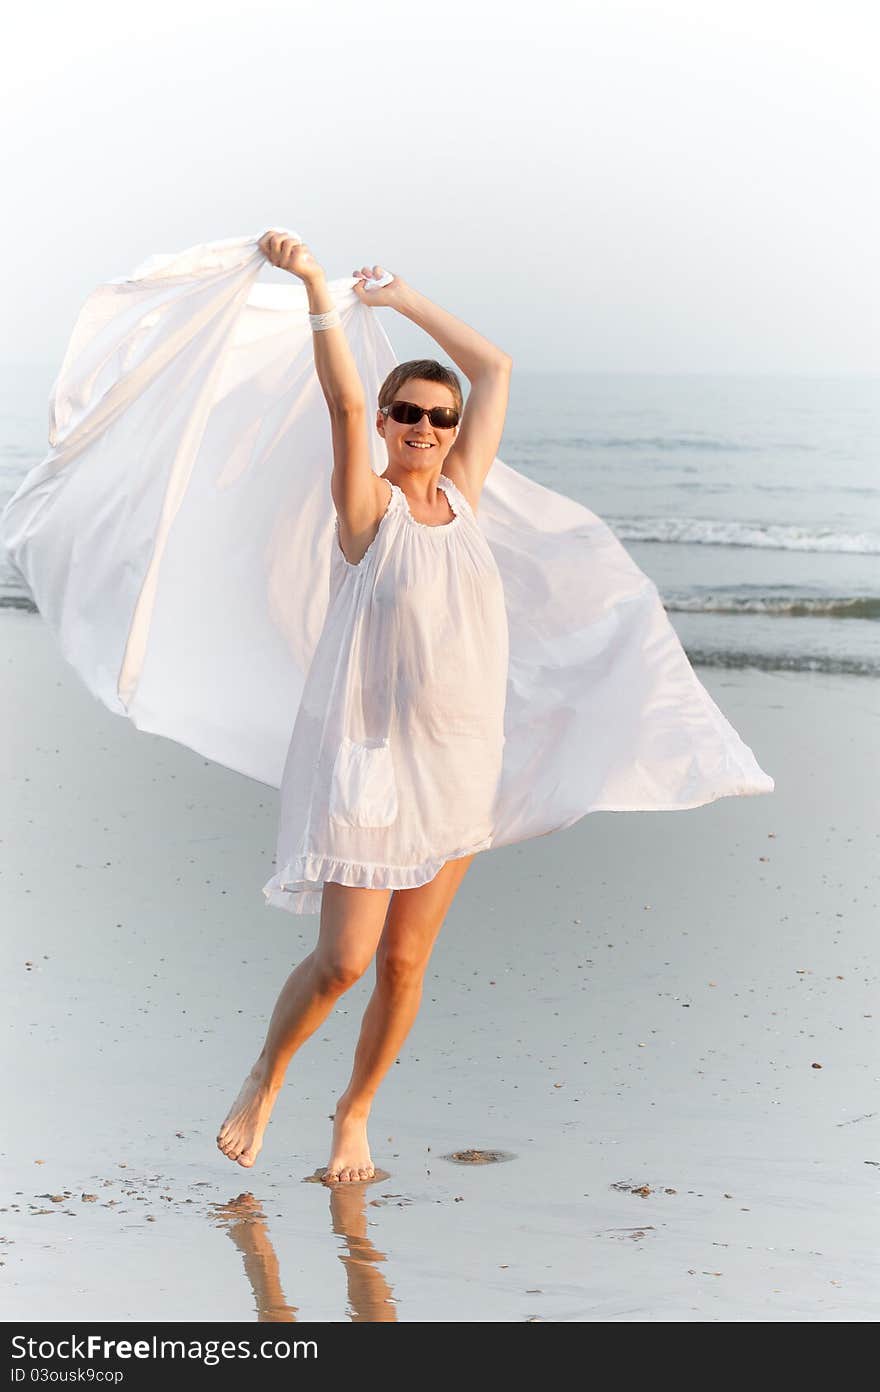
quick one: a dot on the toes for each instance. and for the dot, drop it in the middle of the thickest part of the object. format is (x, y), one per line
(233, 1151)
(349, 1174)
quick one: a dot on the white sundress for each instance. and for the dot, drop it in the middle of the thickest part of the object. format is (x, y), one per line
(396, 753)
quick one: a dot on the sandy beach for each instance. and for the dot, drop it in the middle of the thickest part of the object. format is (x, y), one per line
(664, 1021)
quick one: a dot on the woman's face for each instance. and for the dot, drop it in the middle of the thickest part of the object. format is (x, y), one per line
(423, 445)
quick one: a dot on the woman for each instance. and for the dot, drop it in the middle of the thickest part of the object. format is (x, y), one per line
(198, 496)
(395, 758)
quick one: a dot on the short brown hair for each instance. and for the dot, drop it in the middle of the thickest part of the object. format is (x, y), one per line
(429, 371)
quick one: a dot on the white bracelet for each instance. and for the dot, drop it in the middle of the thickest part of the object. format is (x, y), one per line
(325, 321)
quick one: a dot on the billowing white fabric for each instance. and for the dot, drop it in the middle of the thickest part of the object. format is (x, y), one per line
(178, 539)
(396, 756)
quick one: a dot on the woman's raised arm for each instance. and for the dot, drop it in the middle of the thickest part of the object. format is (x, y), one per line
(358, 495)
(486, 367)
(334, 361)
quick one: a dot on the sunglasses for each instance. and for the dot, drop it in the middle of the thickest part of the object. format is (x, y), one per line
(408, 413)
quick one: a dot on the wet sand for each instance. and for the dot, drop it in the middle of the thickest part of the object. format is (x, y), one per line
(632, 1010)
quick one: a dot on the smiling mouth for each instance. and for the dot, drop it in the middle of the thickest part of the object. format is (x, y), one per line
(416, 444)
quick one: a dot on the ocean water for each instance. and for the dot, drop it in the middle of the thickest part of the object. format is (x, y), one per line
(753, 503)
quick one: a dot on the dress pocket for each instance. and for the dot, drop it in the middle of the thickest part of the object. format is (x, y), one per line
(363, 789)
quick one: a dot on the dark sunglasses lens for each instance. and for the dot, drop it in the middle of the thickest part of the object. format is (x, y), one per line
(407, 413)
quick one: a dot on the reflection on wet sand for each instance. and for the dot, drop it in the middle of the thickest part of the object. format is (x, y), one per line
(369, 1294)
(245, 1222)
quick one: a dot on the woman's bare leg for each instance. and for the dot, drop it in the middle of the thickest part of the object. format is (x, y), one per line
(351, 925)
(415, 918)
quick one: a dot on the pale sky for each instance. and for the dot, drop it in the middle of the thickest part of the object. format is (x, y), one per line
(607, 185)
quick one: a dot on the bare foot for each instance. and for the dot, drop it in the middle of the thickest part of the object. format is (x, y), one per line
(241, 1134)
(350, 1158)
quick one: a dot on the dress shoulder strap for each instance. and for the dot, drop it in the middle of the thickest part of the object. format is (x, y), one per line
(459, 502)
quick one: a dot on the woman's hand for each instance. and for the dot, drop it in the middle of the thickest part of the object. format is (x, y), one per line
(386, 295)
(288, 254)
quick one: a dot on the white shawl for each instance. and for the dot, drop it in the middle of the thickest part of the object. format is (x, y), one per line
(177, 540)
